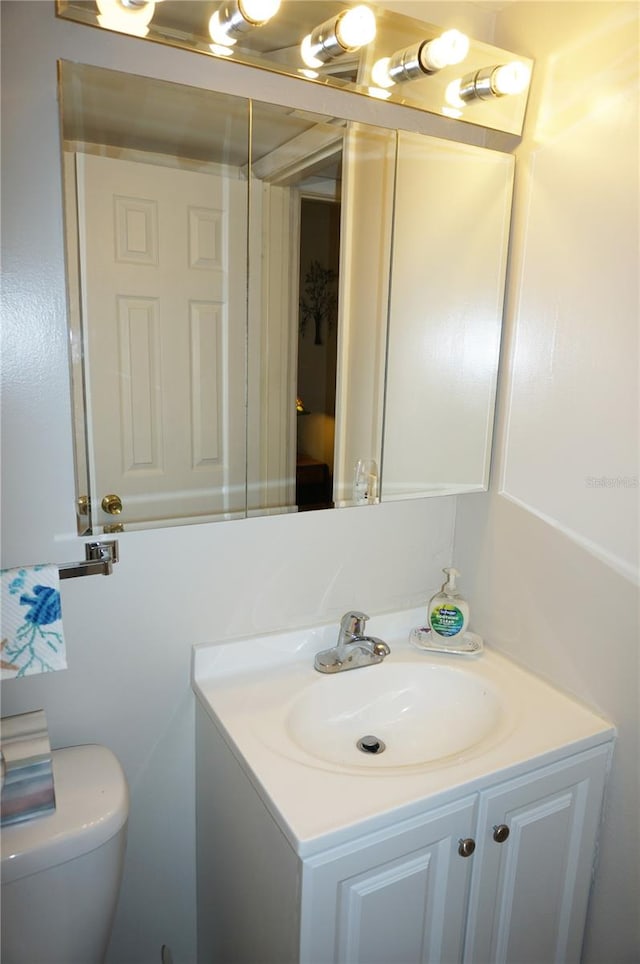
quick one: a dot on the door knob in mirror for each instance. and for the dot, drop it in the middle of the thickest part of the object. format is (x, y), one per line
(112, 504)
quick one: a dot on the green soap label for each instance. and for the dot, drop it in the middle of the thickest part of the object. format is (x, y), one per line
(446, 620)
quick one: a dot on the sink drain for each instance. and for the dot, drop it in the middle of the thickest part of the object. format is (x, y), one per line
(370, 744)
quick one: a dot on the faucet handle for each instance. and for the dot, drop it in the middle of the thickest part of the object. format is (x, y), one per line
(352, 623)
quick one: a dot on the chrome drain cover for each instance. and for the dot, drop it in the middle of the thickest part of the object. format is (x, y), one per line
(371, 744)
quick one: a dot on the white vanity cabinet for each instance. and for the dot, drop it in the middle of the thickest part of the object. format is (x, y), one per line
(398, 896)
(529, 892)
(409, 896)
(404, 894)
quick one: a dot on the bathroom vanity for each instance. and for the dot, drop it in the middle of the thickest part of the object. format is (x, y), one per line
(471, 838)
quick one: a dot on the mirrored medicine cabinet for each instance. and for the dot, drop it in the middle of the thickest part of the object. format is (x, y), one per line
(262, 298)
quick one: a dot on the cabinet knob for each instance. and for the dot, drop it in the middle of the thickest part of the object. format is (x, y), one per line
(466, 846)
(500, 832)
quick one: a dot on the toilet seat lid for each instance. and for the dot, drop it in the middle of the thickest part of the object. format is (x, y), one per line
(92, 805)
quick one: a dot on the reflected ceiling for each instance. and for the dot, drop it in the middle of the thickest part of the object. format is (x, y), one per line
(171, 118)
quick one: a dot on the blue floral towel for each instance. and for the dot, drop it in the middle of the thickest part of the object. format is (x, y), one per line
(31, 622)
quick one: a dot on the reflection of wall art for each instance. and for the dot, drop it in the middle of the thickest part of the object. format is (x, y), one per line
(319, 302)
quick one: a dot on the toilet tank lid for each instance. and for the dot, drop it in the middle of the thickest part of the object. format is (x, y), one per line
(92, 805)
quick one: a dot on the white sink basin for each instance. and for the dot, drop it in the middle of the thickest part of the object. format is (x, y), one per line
(420, 712)
(448, 722)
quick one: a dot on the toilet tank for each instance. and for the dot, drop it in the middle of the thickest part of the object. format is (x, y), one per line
(61, 873)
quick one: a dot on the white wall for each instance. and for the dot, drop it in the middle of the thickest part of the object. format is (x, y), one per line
(550, 556)
(473, 17)
(540, 577)
(129, 635)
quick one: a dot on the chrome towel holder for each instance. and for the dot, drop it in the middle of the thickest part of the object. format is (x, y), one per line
(100, 558)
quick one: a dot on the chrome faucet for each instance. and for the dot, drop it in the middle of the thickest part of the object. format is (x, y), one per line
(353, 648)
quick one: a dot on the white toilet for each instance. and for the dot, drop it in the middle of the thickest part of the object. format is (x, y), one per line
(61, 873)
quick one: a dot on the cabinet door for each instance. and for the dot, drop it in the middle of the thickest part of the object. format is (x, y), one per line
(394, 897)
(529, 894)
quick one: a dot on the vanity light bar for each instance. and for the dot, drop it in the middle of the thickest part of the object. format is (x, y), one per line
(345, 33)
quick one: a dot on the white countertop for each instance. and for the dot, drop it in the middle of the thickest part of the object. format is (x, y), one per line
(247, 687)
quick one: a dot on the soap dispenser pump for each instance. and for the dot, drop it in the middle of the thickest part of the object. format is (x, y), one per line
(448, 612)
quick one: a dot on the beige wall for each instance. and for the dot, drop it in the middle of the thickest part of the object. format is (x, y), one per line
(551, 553)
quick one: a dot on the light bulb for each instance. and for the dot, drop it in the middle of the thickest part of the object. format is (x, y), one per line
(356, 27)
(134, 20)
(380, 73)
(495, 81)
(450, 48)
(346, 32)
(452, 94)
(510, 78)
(218, 32)
(237, 17)
(258, 12)
(307, 53)
(455, 45)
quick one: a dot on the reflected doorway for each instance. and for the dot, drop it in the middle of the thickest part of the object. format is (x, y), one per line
(317, 351)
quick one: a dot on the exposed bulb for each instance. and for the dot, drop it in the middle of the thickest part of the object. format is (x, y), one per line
(306, 52)
(444, 51)
(489, 82)
(380, 73)
(218, 32)
(510, 78)
(125, 18)
(238, 18)
(258, 12)
(356, 28)
(452, 94)
(348, 31)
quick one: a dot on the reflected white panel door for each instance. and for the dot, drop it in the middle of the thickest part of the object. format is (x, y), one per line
(163, 267)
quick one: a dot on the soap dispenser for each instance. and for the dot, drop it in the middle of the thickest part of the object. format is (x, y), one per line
(448, 612)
